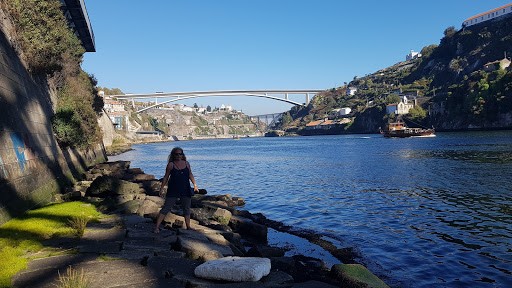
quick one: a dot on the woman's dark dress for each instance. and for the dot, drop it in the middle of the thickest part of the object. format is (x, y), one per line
(179, 183)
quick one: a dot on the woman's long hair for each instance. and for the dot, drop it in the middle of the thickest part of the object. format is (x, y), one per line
(173, 156)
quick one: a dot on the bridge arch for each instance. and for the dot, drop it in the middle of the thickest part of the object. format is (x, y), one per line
(188, 95)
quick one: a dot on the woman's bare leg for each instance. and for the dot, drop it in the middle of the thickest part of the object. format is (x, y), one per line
(158, 222)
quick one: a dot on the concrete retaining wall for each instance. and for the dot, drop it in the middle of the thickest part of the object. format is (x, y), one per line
(32, 166)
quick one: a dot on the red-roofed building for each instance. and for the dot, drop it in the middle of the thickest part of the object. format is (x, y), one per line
(503, 11)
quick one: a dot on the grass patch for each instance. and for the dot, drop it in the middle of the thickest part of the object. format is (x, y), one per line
(74, 279)
(24, 235)
(107, 258)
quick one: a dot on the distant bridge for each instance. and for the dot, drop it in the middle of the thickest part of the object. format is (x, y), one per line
(269, 119)
(177, 96)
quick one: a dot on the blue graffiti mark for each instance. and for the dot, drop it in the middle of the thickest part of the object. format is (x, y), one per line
(19, 148)
(4, 172)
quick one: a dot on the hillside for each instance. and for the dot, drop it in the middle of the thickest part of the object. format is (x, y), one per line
(194, 125)
(451, 88)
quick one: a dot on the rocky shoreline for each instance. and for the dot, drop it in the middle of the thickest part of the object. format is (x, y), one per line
(177, 257)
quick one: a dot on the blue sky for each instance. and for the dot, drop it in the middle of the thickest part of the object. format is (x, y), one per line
(189, 45)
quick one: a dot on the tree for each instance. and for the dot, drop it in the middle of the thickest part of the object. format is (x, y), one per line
(417, 114)
(209, 108)
(393, 98)
(195, 105)
(449, 32)
(427, 50)
(286, 119)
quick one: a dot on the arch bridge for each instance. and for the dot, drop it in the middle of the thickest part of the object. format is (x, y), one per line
(177, 96)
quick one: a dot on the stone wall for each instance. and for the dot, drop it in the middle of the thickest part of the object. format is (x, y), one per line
(32, 165)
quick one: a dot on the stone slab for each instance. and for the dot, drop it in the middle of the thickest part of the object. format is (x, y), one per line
(145, 245)
(99, 248)
(235, 269)
(59, 261)
(196, 249)
(104, 235)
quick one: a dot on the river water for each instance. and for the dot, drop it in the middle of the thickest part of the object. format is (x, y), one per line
(421, 212)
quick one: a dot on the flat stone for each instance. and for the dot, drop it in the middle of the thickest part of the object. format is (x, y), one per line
(235, 269)
(145, 245)
(196, 249)
(131, 220)
(59, 261)
(164, 235)
(99, 248)
(278, 279)
(104, 235)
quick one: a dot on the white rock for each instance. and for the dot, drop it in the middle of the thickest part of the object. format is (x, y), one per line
(236, 269)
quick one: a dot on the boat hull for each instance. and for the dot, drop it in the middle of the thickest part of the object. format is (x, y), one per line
(408, 132)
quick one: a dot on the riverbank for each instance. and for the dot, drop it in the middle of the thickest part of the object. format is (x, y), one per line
(129, 198)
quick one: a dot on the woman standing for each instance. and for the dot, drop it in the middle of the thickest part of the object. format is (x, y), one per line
(178, 175)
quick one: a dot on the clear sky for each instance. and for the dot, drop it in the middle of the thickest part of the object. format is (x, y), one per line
(198, 45)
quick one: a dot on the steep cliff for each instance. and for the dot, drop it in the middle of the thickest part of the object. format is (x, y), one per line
(463, 83)
(33, 167)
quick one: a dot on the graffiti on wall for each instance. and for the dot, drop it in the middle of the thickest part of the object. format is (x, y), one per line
(19, 149)
(22, 150)
(3, 172)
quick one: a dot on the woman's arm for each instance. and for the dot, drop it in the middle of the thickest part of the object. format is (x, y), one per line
(166, 178)
(191, 176)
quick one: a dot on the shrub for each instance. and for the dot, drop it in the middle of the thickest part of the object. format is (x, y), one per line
(74, 279)
(43, 36)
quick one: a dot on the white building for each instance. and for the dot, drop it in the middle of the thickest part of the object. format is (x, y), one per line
(412, 55)
(402, 107)
(489, 15)
(200, 109)
(188, 109)
(345, 111)
(351, 91)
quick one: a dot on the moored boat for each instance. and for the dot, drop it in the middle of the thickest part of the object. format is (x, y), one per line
(400, 130)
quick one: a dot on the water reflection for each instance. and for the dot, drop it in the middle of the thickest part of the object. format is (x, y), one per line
(413, 207)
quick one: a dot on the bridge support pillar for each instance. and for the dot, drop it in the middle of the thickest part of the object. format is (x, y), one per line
(133, 102)
(307, 99)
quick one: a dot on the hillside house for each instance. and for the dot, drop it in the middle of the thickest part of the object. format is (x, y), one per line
(497, 65)
(412, 55)
(326, 124)
(402, 107)
(188, 109)
(314, 125)
(351, 91)
(320, 124)
(120, 119)
(340, 112)
(495, 14)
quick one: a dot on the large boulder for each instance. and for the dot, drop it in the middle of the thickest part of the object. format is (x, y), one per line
(235, 269)
(202, 250)
(356, 275)
(107, 185)
(148, 207)
(246, 227)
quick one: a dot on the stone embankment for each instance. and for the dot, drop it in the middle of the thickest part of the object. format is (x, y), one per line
(227, 249)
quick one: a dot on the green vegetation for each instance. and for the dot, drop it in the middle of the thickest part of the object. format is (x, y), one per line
(74, 279)
(50, 48)
(447, 80)
(20, 237)
(45, 41)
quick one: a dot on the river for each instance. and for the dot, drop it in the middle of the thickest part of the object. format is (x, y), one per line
(421, 212)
